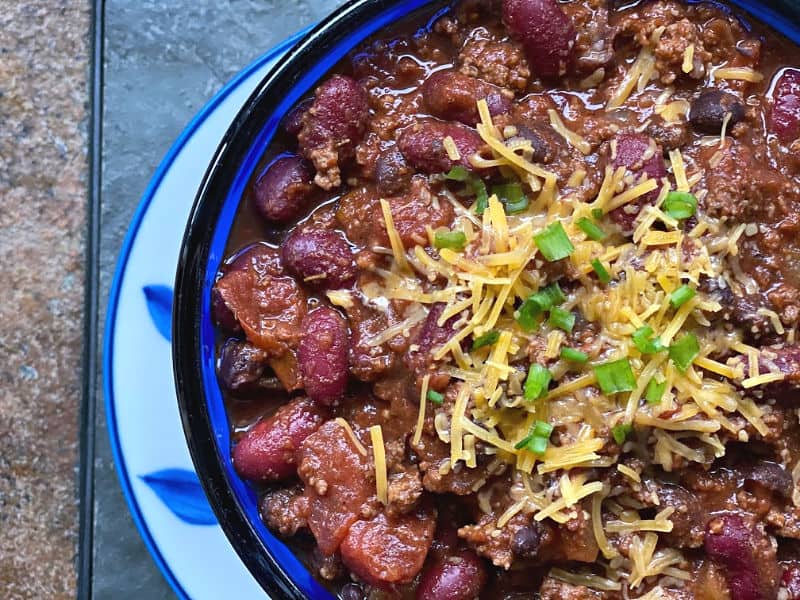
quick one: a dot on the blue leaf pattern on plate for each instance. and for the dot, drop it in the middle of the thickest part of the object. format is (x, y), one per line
(159, 303)
(181, 492)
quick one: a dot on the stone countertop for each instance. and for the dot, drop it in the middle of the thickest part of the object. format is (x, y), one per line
(44, 92)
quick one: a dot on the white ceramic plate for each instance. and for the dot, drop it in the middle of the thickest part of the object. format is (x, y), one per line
(153, 463)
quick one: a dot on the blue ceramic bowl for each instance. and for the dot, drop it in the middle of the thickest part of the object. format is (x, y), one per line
(201, 404)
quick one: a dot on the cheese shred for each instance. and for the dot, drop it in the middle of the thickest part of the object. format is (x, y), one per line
(379, 453)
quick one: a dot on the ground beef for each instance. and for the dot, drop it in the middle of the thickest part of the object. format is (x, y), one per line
(500, 63)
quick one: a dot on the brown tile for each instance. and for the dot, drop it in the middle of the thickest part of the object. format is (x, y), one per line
(44, 65)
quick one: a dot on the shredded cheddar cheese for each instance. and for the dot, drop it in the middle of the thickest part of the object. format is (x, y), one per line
(394, 238)
(573, 138)
(451, 149)
(483, 286)
(379, 454)
(739, 73)
(351, 434)
(688, 59)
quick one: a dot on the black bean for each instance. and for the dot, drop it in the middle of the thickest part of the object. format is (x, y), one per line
(526, 541)
(709, 109)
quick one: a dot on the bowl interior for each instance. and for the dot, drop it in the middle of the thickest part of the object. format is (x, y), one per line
(200, 397)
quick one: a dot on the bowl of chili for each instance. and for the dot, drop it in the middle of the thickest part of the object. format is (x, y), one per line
(247, 242)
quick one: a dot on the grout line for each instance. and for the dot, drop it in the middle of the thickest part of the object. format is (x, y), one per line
(92, 283)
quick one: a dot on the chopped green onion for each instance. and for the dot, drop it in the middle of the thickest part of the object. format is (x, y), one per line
(621, 432)
(554, 243)
(615, 376)
(528, 315)
(597, 213)
(481, 195)
(538, 438)
(513, 208)
(542, 429)
(487, 339)
(642, 338)
(681, 296)
(456, 240)
(592, 231)
(573, 355)
(684, 351)
(538, 303)
(553, 294)
(655, 391)
(562, 319)
(523, 443)
(457, 173)
(510, 194)
(537, 382)
(602, 273)
(537, 445)
(435, 397)
(680, 205)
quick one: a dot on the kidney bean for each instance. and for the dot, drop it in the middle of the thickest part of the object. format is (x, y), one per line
(709, 109)
(413, 213)
(545, 32)
(281, 193)
(241, 367)
(459, 576)
(260, 258)
(293, 121)
(221, 314)
(769, 475)
(338, 479)
(453, 96)
(689, 519)
(267, 450)
(319, 257)
(430, 337)
(640, 155)
(746, 553)
(389, 550)
(545, 142)
(352, 591)
(268, 305)
(392, 172)
(422, 145)
(323, 354)
(787, 360)
(784, 120)
(791, 580)
(332, 127)
(368, 361)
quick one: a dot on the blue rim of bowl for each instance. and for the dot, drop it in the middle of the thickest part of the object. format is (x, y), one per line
(113, 301)
(199, 396)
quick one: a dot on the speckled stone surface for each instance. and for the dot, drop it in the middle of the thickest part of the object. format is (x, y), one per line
(163, 61)
(44, 65)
